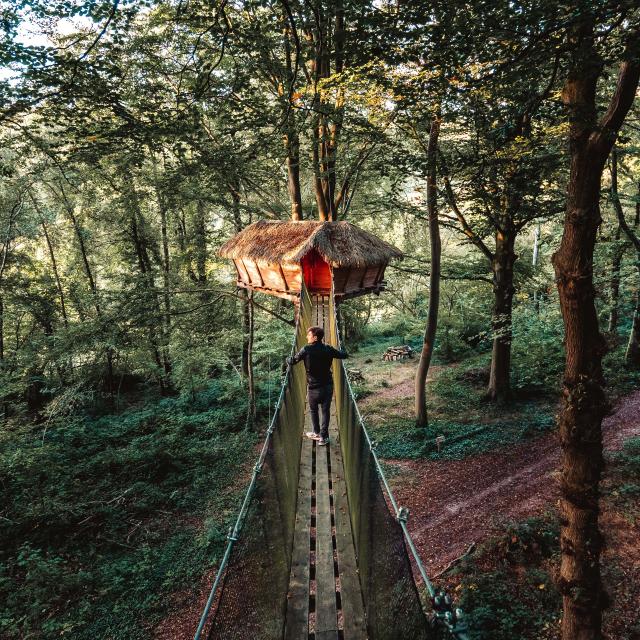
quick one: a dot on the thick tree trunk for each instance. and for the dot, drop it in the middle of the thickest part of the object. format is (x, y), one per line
(434, 279)
(334, 130)
(584, 402)
(291, 137)
(328, 37)
(501, 322)
(584, 406)
(292, 145)
(324, 212)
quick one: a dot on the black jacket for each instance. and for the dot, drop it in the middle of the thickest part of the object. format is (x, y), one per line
(317, 361)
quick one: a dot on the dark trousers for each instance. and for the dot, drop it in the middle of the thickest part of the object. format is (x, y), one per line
(320, 397)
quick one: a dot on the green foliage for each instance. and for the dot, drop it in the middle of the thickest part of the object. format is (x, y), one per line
(620, 379)
(516, 598)
(105, 517)
(399, 438)
(537, 352)
(624, 489)
(127, 159)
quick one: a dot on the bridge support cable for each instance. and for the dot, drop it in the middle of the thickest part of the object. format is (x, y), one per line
(249, 594)
(372, 530)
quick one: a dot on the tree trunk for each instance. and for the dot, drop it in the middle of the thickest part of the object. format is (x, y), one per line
(166, 288)
(614, 291)
(536, 246)
(92, 285)
(144, 265)
(201, 242)
(246, 334)
(54, 265)
(1, 331)
(501, 321)
(321, 201)
(247, 300)
(434, 279)
(292, 145)
(5, 403)
(291, 137)
(619, 248)
(584, 402)
(251, 409)
(632, 355)
(584, 406)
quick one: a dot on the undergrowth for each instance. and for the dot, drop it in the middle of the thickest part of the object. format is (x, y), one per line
(103, 518)
(506, 588)
(399, 438)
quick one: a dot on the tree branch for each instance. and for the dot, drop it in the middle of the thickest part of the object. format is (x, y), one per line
(466, 229)
(622, 99)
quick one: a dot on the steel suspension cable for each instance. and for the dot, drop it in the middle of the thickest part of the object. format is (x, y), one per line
(402, 513)
(234, 533)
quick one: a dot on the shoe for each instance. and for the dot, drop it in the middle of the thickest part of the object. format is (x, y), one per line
(312, 435)
(323, 442)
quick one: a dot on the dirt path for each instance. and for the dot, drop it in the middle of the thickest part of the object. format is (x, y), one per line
(455, 503)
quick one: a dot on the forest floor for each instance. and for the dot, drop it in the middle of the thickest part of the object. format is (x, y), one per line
(489, 498)
(455, 503)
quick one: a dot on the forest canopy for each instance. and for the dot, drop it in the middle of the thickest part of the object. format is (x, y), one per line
(138, 137)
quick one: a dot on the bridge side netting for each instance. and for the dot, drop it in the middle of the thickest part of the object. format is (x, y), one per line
(391, 599)
(253, 598)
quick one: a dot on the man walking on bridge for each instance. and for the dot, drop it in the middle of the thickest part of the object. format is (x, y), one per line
(318, 357)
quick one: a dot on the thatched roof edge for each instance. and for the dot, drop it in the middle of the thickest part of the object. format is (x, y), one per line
(341, 244)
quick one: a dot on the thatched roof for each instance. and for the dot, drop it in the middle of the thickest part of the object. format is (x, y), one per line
(341, 244)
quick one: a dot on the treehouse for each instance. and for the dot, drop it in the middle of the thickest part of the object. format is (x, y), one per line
(274, 256)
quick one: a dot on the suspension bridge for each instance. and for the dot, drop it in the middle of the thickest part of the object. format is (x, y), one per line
(320, 548)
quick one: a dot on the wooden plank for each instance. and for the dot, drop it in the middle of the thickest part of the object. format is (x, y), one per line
(284, 279)
(242, 271)
(354, 623)
(274, 292)
(271, 277)
(257, 267)
(293, 274)
(254, 272)
(297, 625)
(326, 613)
(355, 278)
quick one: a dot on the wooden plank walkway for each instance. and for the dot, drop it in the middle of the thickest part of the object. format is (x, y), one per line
(325, 598)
